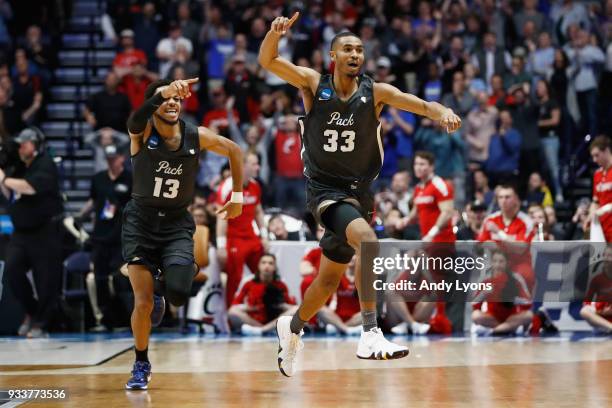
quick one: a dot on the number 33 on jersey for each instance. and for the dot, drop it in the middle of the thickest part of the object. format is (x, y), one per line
(341, 139)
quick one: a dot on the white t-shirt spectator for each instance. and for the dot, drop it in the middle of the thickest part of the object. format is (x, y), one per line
(168, 46)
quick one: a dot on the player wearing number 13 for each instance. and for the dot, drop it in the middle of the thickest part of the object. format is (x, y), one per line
(342, 154)
(157, 230)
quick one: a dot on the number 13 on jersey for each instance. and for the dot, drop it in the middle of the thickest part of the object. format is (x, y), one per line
(172, 190)
(347, 140)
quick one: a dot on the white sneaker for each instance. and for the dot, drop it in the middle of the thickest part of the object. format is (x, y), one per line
(289, 345)
(401, 328)
(478, 329)
(419, 328)
(330, 329)
(353, 331)
(248, 330)
(374, 346)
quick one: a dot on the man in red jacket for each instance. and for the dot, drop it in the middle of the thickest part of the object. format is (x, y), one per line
(602, 185)
(237, 242)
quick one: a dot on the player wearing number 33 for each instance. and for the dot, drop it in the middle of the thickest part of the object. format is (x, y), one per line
(157, 234)
(342, 154)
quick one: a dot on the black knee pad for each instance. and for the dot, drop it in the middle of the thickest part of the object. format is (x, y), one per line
(338, 216)
(178, 280)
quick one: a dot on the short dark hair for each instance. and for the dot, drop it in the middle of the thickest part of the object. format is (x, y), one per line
(429, 156)
(601, 142)
(510, 186)
(340, 35)
(150, 91)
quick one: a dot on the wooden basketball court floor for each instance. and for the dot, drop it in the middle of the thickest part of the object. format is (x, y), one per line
(193, 371)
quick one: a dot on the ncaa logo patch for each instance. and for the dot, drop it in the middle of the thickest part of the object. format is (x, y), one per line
(153, 142)
(325, 94)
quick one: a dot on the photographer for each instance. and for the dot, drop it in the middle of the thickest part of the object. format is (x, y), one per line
(34, 204)
(110, 191)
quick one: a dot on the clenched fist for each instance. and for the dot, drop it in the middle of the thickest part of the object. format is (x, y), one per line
(450, 121)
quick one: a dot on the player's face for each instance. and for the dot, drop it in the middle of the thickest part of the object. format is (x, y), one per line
(600, 157)
(348, 55)
(422, 168)
(267, 267)
(170, 110)
(507, 200)
(499, 263)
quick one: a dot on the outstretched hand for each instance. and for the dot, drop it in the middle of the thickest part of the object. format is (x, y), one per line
(281, 25)
(450, 121)
(180, 88)
(230, 210)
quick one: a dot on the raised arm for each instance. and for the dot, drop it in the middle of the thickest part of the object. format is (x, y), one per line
(385, 94)
(225, 147)
(300, 77)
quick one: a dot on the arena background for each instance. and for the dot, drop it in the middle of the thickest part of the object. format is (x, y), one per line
(531, 80)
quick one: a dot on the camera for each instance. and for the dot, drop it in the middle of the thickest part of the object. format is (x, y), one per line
(9, 157)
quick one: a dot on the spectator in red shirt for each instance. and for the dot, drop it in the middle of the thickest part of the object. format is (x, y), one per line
(237, 242)
(433, 202)
(597, 308)
(289, 182)
(507, 306)
(135, 82)
(261, 301)
(601, 207)
(125, 60)
(217, 116)
(433, 207)
(512, 230)
(498, 94)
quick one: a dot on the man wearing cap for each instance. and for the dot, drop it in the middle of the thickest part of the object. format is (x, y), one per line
(34, 207)
(110, 191)
(475, 213)
(126, 59)
(383, 73)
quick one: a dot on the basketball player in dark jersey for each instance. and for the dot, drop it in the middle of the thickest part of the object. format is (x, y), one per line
(157, 235)
(342, 153)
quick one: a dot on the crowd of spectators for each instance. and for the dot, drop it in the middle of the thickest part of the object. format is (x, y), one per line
(530, 79)
(28, 55)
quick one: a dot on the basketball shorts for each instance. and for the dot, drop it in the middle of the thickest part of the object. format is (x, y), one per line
(320, 196)
(152, 236)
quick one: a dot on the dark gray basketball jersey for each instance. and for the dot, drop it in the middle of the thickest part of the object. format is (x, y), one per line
(163, 178)
(342, 139)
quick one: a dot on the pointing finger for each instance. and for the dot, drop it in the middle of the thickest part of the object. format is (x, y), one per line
(294, 18)
(192, 80)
